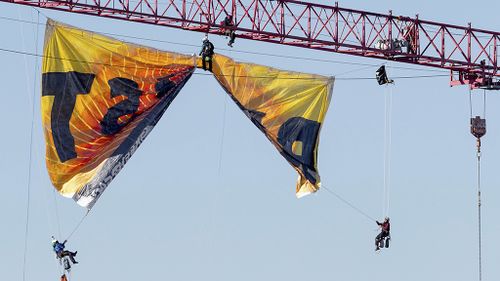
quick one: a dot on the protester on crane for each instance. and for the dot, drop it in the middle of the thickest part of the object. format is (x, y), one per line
(385, 232)
(228, 28)
(207, 52)
(381, 76)
(61, 252)
(410, 35)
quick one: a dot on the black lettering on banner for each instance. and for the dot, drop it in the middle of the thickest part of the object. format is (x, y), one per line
(298, 129)
(163, 86)
(121, 87)
(64, 86)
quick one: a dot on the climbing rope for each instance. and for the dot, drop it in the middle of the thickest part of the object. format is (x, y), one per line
(209, 228)
(221, 147)
(484, 104)
(58, 221)
(387, 148)
(348, 203)
(479, 224)
(30, 157)
(78, 225)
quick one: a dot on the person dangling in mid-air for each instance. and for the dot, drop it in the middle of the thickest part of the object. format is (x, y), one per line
(381, 76)
(384, 235)
(207, 51)
(61, 252)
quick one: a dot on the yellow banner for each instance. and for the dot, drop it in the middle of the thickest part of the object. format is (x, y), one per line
(288, 107)
(100, 99)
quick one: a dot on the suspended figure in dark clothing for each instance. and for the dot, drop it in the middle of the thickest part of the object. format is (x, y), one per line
(384, 235)
(228, 28)
(61, 252)
(207, 52)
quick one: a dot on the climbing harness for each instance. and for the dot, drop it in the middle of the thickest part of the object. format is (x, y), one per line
(384, 242)
(65, 262)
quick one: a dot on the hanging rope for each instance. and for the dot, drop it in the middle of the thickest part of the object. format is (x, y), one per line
(389, 154)
(58, 221)
(470, 102)
(479, 209)
(221, 148)
(212, 210)
(348, 203)
(478, 129)
(28, 188)
(484, 104)
(384, 74)
(479, 224)
(78, 225)
(387, 148)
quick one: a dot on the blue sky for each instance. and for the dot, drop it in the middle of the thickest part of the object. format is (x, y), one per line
(173, 214)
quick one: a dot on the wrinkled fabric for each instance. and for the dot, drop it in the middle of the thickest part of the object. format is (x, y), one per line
(288, 107)
(100, 99)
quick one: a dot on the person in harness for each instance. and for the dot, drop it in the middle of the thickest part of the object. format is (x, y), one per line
(381, 76)
(58, 248)
(206, 53)
(228, 28)
(384, 234)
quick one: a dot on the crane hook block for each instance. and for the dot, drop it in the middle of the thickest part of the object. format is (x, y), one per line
(478, 127)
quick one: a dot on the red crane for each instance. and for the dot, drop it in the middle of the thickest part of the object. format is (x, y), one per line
(470, 54)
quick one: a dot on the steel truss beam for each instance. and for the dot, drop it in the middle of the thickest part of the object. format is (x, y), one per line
(470, 54)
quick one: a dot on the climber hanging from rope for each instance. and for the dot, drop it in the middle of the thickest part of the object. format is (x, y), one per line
(381, 76)
(384, 236)
(58, 248)
(206, 53)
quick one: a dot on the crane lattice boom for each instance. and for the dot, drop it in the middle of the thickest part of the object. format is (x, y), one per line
(470, 54)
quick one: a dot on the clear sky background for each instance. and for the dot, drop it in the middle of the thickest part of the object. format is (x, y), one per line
(172, 214)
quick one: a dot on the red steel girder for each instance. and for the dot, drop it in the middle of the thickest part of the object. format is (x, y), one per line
(470, 52)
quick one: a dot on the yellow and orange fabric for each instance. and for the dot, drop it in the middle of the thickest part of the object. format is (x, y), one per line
(100, 99)
(288, 107)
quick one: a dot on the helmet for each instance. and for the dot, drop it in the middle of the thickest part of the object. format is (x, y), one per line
(387, 218)
(205, 38)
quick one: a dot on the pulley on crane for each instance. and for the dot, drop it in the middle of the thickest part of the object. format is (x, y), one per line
(478, 128)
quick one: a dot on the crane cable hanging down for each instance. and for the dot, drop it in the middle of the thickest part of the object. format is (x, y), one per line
(387, 145)
(478, 130)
